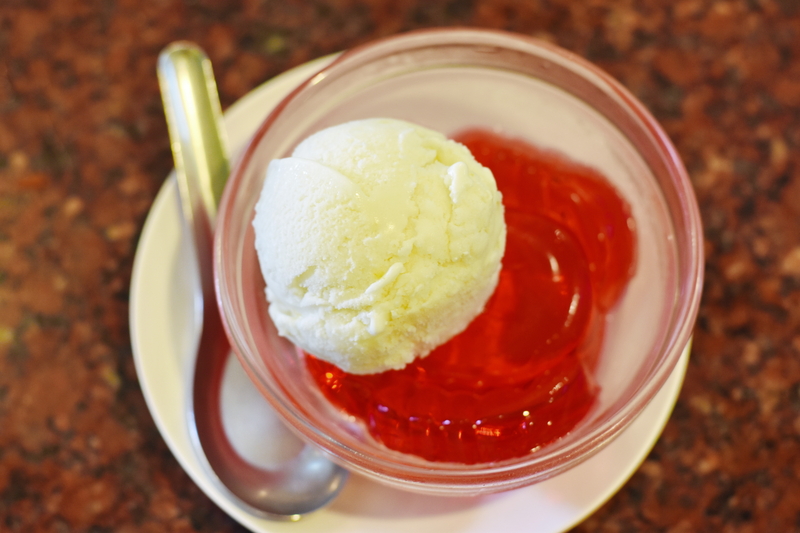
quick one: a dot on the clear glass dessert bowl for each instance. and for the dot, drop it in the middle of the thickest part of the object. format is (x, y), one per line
(452, 80)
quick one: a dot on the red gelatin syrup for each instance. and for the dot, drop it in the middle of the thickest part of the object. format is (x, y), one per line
(519, 377)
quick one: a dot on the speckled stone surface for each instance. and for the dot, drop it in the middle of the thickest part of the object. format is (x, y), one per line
(83, 151)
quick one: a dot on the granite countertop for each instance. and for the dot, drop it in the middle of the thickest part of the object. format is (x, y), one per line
(84, 150)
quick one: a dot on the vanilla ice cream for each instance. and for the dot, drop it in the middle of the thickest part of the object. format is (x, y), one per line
(378, 240)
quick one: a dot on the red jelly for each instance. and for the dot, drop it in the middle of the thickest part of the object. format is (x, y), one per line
(519, 376)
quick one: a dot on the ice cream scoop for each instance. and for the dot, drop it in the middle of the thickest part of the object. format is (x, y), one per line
(378, 240)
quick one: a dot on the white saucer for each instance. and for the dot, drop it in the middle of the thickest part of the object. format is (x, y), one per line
(165, 313)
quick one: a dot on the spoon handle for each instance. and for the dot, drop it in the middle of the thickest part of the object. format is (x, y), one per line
(199, 147)
(195, 119)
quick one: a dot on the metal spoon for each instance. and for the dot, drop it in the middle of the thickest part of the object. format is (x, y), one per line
(194, 118)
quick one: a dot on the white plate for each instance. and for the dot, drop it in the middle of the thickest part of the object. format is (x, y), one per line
(165, 316)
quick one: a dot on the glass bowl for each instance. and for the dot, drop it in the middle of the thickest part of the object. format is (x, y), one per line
(450, 80)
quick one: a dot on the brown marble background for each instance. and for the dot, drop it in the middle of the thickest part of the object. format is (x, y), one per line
(83, 151)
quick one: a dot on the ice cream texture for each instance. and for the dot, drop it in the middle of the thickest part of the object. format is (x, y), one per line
(378, 241)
